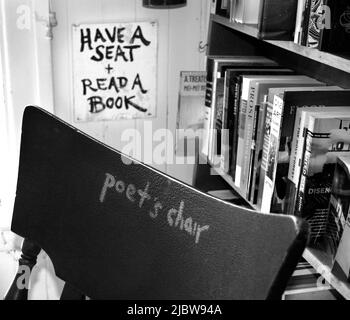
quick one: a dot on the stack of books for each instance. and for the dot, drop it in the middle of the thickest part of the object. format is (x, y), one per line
(277, 134)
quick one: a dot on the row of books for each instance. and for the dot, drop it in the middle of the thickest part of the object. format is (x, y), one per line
(321, 24)
(276, 133)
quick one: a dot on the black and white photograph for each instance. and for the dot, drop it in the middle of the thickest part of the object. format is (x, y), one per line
(174, 156)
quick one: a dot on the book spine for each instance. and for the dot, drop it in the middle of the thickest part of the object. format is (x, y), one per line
(207, 111)
(273, 147)
(299, 21)
(224, 163)
(277, 20)
(303, 174)
(258, 152)
(215, 157)
(305, 25)
(313, 33)
(295, 159)
(248, 135)
(235, 129)
(241, 133)
(210, 95)
(253, 153)
(264, 162)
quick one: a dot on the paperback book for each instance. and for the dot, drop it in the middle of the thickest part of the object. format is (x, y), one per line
(326, 137)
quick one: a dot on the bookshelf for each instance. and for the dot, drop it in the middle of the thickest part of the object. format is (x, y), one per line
(228, 38)
(313, 54)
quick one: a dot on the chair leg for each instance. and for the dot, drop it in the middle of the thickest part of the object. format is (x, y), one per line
(70, 293)
(19, 287)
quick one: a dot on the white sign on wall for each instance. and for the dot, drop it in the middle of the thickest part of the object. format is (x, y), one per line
(115, 68)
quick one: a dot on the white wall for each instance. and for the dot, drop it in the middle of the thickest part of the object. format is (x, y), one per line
(27, 64)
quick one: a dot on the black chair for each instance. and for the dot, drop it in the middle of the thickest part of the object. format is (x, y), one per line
(116, 230)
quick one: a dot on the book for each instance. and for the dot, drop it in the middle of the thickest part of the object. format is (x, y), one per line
(341, 264)
(232, 93)
(335, 31)
(213, 6)
(246, 11)
(315, 24)
(305, 23)
(190, 115)
(293, 101)
(256, 88)
(339, 205)
(299, 21)
(326, 138)
(223, 8)
(277, 19)
(216, 66)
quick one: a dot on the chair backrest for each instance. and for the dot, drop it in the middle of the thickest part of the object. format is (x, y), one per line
(116, 230)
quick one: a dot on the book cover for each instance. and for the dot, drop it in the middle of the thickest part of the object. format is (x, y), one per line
(327, 138)
(341, 265)
(335, 37)
(190, 115)
(339, 205)
(277, 19)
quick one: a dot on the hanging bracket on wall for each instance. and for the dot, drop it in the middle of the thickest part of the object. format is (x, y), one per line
(50, 23)
(202, 47)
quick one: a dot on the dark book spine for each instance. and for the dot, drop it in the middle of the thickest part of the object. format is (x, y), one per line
(236, 111)
(253, 152)
(277, 19)
(306, 19)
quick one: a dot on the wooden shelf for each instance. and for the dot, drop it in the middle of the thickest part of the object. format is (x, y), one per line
(230, 181)
(318, 259)
(322, 263)
(325, 58)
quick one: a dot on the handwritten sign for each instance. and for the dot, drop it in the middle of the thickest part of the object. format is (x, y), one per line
(114, 71)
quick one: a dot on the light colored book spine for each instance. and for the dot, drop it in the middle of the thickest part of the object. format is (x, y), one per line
(248, 134)
(299, 21)
(264, 162)
(305, 165)
(213, 6)
(224, 157)
(272, 156)
(212, 125)
(297, 147)
(242, 130)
